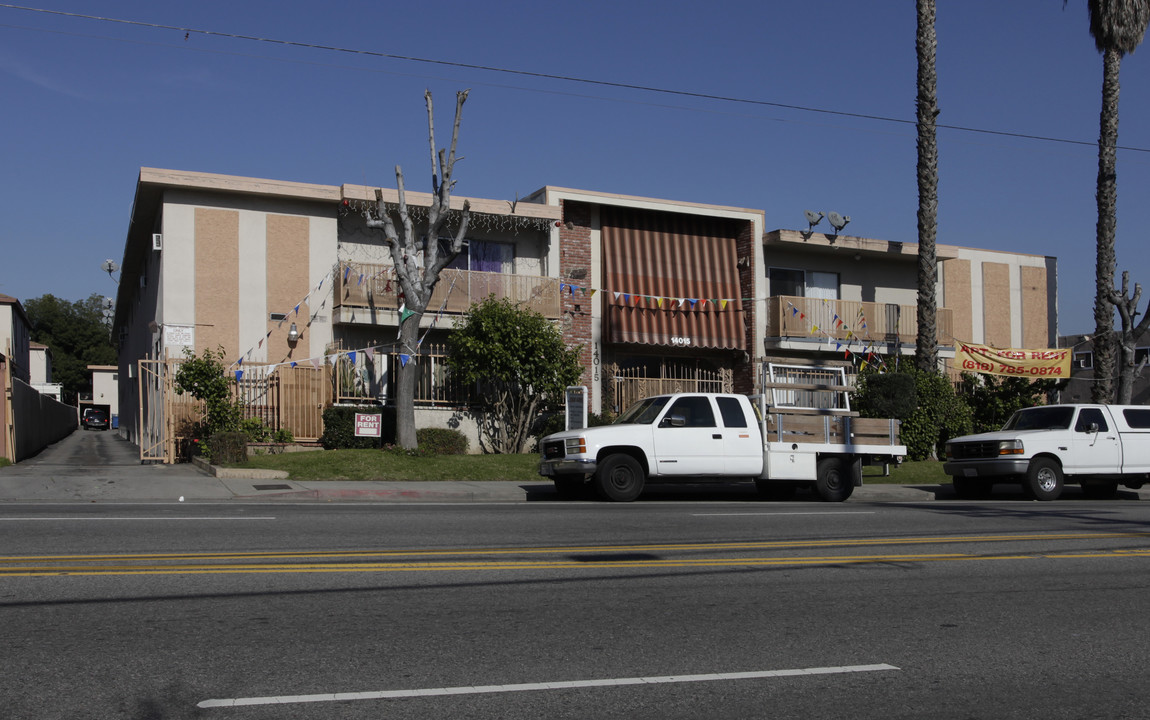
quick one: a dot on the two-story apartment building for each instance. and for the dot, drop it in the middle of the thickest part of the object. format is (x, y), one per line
(288, 281)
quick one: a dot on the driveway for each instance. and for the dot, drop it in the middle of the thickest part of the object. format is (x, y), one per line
(92, 454)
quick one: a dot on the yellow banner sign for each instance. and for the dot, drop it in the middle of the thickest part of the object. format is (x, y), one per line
(1033, 364)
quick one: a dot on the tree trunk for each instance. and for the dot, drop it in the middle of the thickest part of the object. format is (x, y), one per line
(1107, 197)
(926, 346)
(405, 384)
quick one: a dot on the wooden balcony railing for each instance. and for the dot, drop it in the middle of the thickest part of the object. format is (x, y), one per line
(371, 285)
(795, 317)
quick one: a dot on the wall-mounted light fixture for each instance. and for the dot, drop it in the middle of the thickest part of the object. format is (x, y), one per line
(293, 335)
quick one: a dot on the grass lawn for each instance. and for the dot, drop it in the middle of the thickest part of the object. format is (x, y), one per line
(377, 465)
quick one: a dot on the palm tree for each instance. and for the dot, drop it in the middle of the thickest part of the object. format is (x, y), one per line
(1117, 27)
(926, 43)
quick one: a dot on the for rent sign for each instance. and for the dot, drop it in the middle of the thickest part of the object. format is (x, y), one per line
(1015, 362)
(368, 425)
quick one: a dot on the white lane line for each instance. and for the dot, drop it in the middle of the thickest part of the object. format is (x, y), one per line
(759, 514)
(560, 685)
(59, 519)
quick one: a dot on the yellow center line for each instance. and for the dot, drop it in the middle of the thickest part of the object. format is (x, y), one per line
(749, 545)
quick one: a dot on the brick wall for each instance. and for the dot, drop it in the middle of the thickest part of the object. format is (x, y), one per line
(744, 375)
(575, 269)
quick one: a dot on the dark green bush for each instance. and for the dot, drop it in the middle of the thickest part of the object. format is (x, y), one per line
(339, 427)
(441, 441)
(889, 395)
(228, 447)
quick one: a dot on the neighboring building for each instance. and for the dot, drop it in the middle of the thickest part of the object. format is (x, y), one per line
(15, 340)
(29, 420)
(1081, 384)
(40, 370)
(302, 297)
(105, 389)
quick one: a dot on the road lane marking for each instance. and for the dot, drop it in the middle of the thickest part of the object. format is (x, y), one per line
(561, 558)
(527, 687)
(62, 519)
(760, 514)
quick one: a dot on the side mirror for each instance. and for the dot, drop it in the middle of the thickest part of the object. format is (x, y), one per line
(673, 421)
(1092, 428)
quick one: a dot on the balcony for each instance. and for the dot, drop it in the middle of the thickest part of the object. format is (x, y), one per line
(798, 317)
(366, 285)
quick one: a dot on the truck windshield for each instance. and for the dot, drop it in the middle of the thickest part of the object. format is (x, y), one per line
(1041, 418)
(643, 412)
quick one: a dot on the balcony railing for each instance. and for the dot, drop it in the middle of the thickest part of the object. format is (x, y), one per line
(798, 317)
(371, 285)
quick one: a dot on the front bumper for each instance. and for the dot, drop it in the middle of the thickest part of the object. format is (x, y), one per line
(567, 466)
(994, 467)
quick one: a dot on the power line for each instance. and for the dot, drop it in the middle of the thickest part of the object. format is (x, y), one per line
(563, 78)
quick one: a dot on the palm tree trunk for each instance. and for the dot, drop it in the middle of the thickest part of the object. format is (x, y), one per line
(1107, 197)
(926, 346)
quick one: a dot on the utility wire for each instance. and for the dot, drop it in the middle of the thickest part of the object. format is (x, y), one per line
(562, 78)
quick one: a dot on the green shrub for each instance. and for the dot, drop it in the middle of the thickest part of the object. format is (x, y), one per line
(228, 447)
(255, 429)
(339, 427)
(283, 435)
(441, 441)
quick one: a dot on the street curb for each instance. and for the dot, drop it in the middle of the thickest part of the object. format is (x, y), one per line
(239, 473)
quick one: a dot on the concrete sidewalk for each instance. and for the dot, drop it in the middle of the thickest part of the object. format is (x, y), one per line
(184, 483)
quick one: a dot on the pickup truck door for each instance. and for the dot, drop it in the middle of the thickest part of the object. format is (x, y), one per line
(1093, 452)
(742, 439)
(687, 439)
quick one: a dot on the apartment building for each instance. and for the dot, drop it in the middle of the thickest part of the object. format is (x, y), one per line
(287, 280)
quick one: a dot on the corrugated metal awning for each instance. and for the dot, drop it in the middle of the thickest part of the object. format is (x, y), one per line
(671, 279)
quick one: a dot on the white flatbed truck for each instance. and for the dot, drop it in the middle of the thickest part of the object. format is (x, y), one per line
(688, 437)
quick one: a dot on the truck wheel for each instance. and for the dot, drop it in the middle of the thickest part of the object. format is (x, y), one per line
(619, 478)
(1043, 479)
(833, 482)
(970, 488)
(1100, 490)
(570, 487)
(774, 490)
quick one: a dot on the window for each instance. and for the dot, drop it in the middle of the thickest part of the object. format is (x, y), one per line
(1084, 360)
(1088, 417)
(804, 283)
(695, 410)
(1138, 419)
(484, 256)
(732, 412)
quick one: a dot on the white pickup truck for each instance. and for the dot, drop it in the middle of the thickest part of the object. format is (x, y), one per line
(686, 437)
(1096, 446)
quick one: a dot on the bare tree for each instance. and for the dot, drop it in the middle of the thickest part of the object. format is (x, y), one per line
(926, 44)
(417, 279)
(1117, 27)
(1127, 306)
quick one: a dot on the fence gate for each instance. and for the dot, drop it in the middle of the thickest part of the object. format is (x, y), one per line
(155, 387)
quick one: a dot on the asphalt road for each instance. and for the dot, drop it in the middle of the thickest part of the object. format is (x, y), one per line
(655, 609)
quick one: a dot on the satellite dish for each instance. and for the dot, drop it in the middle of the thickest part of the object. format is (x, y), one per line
(109, 303)
(813, 218)
(838, 222)
(109, 266)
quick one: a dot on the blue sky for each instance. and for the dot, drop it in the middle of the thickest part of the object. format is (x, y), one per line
(88, 102)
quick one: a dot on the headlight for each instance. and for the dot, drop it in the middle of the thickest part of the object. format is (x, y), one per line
(576, 446)
(1010, 447)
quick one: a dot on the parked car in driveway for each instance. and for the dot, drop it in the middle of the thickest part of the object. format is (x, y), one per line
(95, 420)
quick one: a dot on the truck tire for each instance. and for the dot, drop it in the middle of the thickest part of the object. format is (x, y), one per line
(570, 487)
(833, 480)
(1043, 479)
(619, 478)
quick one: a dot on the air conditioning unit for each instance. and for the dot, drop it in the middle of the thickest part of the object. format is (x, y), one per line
(157, 241)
